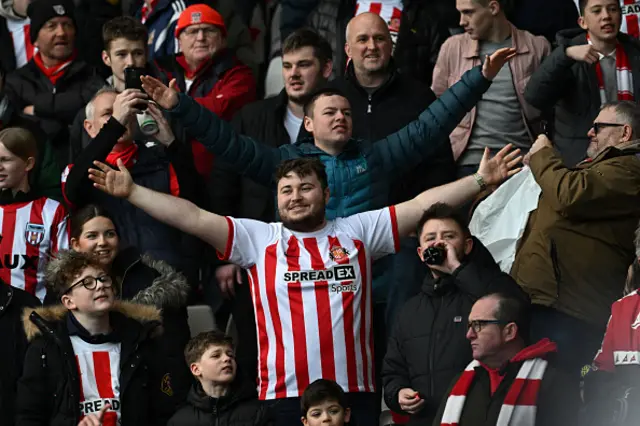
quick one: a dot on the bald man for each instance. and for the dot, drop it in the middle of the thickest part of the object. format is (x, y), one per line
(382, 102)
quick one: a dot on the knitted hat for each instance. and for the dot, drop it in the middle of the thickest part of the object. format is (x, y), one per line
(41, 11)
(200, 14)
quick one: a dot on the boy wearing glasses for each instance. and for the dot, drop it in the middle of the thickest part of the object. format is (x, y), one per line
(508, 382)
(87, 352)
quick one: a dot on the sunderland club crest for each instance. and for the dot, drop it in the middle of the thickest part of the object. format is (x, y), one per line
(337, 253)
(34, 233)
(196, 17)
(59, 9)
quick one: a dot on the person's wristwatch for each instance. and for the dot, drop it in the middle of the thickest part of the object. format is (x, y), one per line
(480, 181)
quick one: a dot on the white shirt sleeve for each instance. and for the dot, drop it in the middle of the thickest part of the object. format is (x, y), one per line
(247, 241)
(377, 229)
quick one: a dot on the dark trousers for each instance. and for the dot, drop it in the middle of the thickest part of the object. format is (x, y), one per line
(287, 411)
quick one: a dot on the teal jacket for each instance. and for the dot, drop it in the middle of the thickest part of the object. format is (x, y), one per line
(359, 177)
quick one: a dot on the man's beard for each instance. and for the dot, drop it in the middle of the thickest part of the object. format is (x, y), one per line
(301, 99)
(308, 223)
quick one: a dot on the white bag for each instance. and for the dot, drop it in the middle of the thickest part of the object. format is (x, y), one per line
(500, 220)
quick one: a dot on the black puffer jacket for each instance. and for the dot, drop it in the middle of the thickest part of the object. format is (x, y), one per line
(571, 88)
(54, 106)
(48, 391)
(239, 408)
(392, 106)
(14, 346)
(428, 345)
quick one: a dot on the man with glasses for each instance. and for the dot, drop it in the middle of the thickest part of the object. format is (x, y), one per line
(578, 243)
(591, 66)
(508, 382)
(207, 71)
(427, 347)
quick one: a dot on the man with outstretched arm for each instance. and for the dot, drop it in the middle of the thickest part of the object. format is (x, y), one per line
(310, 277)
(367, 168)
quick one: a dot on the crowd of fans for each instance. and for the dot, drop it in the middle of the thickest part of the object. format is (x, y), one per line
(309, 169)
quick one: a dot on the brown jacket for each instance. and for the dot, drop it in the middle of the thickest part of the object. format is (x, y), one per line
(460, 53)
(578, 243)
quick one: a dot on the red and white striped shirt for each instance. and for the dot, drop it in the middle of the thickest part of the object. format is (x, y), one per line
(389, 10)
(630, 17)
(20, 31)
(30, 232)
(312, 298)
(99, 372)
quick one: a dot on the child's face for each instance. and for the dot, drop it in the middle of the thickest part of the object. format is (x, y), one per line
(328, 413)
(217, 364)
(90, 293)
(13, 169)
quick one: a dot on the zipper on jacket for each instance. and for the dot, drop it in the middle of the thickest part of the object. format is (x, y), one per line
(54, 90)
(214, 412)
(369, 105)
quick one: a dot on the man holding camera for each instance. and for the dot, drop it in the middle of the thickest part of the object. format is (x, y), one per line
(428, 345)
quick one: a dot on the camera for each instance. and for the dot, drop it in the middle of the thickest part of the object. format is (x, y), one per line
(434, 255)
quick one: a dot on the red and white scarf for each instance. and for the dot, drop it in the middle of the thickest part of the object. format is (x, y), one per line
(519, 406)
(624, 78)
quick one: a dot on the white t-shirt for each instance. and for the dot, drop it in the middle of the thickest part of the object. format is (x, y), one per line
(292, 124)
(312, 298)
(389, 10)
(99, 370)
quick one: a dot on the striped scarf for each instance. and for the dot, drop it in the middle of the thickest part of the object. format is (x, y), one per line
(519, 406)
(624, 78)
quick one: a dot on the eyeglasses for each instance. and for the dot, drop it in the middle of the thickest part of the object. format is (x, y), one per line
(206, 31)
(90, 283)
(478, 325)
(599, 126)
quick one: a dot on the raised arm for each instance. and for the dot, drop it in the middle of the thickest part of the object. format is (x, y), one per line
(421, 139)
(248, 156)
(176, 212)
(490, 172)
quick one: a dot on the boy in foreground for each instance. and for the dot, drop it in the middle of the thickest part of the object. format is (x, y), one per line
(88, 352)
(220, 395)
(324, 403)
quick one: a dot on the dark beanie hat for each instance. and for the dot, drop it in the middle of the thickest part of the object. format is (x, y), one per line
(40, 11)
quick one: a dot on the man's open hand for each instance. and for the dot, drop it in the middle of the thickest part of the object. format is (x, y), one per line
(494, 63)
(166, 97)
(117, 183)
(501, 166)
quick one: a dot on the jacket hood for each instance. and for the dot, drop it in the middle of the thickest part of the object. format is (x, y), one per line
(538, 350)
(241, 390)
(57, 313)
(169, 289)
(479, 256)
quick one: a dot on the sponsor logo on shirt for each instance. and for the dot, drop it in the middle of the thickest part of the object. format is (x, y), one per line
(630, 9)
(636, 323)
(90, 407)
(13, 261)
(337, 273)
(626, 358)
